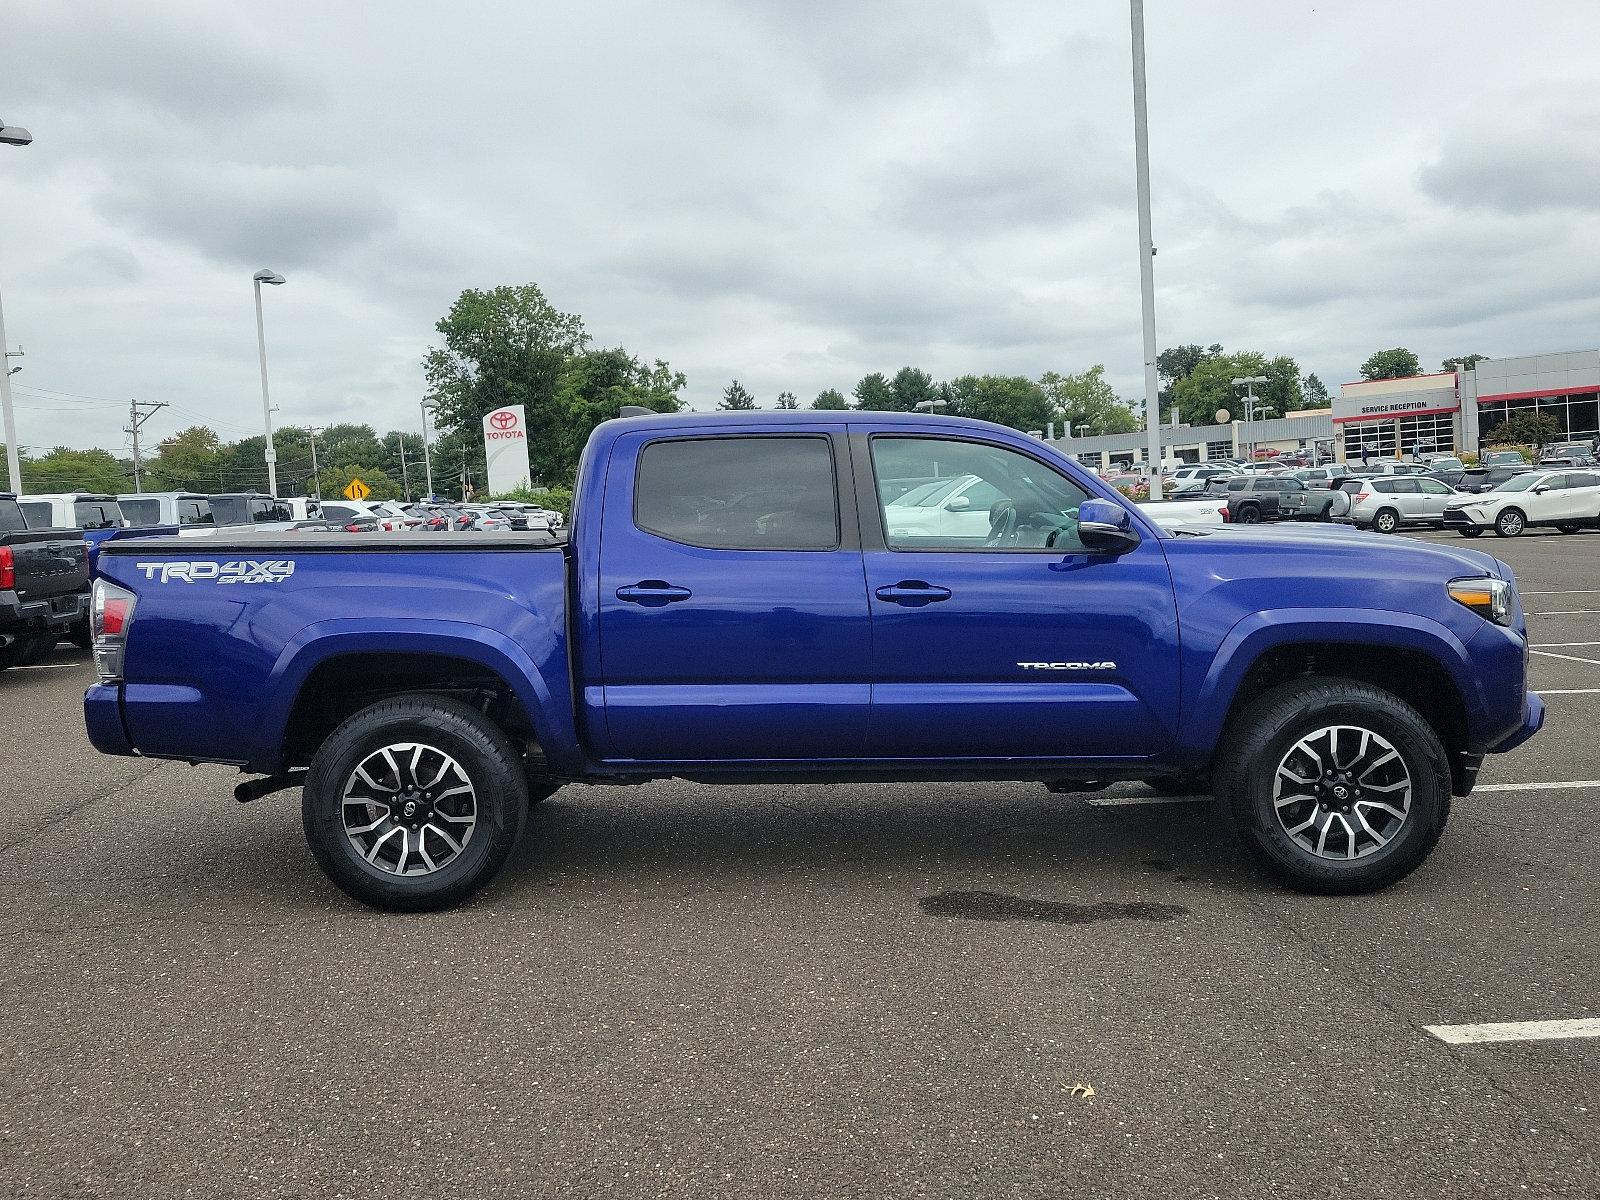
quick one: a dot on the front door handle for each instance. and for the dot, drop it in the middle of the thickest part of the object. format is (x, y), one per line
(653, 593)
(913, 593)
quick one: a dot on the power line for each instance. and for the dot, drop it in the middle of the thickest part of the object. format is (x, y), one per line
(136, 418)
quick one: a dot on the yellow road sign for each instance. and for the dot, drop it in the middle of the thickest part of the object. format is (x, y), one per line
(357, 490)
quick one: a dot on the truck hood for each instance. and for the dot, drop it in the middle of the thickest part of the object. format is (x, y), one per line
(1449, 561)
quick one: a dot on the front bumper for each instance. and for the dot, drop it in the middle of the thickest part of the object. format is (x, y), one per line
(1532, 722)
(1459, 518)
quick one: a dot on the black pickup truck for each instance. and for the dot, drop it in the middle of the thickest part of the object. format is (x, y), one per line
(44, 586)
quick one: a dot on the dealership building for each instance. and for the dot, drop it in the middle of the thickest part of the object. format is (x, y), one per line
(1447, 412)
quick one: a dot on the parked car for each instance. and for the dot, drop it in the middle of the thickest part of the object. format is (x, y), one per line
(1387, 502)
(187, 510)
(956, 506)
(1256, 498)
(1313, 476)
(231, 510)
(1486, 479)
(1314, 502)
(1436, 463)
(1567, 450)
(44, 587)
(1501, 458)
(1567, 459)
(762, 618)
(383, 515)
(1568, 500)
(95, 514)
(1393, 466)
(486, 518)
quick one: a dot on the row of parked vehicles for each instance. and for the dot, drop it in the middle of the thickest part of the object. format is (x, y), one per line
(1503, 493)
(50, 544)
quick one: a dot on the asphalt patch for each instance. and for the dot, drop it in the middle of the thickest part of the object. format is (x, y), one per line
(997, 906)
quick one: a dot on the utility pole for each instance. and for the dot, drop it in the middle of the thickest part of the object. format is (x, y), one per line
(316, 476)
(140, 411)
(10, 135)
(1147, 253)
(427, 460)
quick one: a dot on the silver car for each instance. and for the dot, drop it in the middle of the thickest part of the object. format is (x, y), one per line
(1390, 501)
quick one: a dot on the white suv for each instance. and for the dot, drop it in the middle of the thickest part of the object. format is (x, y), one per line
(1569, 500)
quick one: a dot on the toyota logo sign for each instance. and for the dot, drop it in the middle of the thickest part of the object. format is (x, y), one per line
(503, 420)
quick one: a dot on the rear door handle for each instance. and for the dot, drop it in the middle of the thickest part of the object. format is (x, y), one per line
(653, 593)
(913, 593)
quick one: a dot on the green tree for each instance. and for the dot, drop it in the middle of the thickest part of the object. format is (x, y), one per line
(1013, 400)
(909, 388)
(1524, 429)
(1398, 363)
(1462, 362)
(736, 399)
(1088, 402)
(830, 399)
(1209, 387)
(190, 459)
(787, 402)
(335, 479)
(68, 470)
(1313, 392)
(872, 393)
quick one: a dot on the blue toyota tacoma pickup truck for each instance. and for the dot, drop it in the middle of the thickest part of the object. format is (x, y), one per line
(816, 597)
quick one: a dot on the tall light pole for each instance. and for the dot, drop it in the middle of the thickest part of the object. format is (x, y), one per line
(316, 476)
(1248, 382)
(10, 135)
(427, 459)
(273, 278)
(1147, 253)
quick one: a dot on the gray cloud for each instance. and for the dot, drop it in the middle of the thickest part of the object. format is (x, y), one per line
(1522, 161)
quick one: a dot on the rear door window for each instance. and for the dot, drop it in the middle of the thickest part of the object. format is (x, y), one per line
(192, 512)
(38, 514)
(141, 512)
(739, 493)
(97, 514)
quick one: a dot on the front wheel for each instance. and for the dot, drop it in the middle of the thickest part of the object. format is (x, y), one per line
(1510, 523)
(1335, 787)
(1387, 520)
(414, 803)
(1471, 533)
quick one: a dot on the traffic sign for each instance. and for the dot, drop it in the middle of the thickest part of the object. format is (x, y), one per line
(357, 490)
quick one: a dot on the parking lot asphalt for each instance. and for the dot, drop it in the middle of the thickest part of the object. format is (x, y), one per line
(886, 990)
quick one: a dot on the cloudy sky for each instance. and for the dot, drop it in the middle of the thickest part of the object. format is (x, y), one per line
(791, 193)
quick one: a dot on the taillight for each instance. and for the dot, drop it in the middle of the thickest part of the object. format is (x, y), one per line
(352, 529)
(8, 569)
(1226, 514)
(110, 614)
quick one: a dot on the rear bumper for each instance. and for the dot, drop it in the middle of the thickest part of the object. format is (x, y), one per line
(102, 717)
(53, 613)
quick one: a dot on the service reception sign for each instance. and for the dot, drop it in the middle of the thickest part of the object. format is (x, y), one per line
(505, 446)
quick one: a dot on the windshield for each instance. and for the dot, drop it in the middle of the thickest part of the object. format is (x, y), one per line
(1518, 483)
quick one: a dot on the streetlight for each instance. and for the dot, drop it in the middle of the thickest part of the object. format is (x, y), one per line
(1248, 382)
(427, 460)
(10, 135)
(273, 278)
(1147, 253)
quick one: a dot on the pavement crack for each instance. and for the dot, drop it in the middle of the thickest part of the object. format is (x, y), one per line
(72, 810)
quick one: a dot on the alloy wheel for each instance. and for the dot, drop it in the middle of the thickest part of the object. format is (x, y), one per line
(1342, 792)
(409, 809)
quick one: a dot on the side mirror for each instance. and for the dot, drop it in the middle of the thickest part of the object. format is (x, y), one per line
(1106, 527)
(959, 504)
(1540, 490)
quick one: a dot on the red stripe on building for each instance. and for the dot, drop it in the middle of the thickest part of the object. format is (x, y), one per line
(1394, 416)
(1566, 391)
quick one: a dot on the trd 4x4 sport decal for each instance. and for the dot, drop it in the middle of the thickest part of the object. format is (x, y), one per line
(240, 571)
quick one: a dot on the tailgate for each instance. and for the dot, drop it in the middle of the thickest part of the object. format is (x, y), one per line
(49, 562)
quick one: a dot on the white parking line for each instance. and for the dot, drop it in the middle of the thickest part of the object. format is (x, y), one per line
(1558, 645)
(43, 667)
(1537, 787)
(1516, 1031)
(1567, 612)
(1569, 692)
(1593, 662)
(1562, 592)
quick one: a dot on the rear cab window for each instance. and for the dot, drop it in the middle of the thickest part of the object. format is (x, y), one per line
(97, 514)
(11, 518)
(141, 513)
(739, 493)
(191, 512)
(37, 514)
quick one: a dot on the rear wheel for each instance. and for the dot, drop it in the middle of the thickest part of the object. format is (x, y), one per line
(414, 803)
(1249, 514)
(1386, 520)
(1510, 523)
(1334, 786)
(1569, 527)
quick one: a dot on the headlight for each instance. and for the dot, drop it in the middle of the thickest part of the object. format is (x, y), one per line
(1493, 599)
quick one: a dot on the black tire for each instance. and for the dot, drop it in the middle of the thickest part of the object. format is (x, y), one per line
(1471, 532)
(1257, 741)
(1510, 523)
(1249, 514)
(486, 757)
(1569, 527)
(1386, 520)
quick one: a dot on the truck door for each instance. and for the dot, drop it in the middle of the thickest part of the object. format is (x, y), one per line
(1018, 641)
(733, 620)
